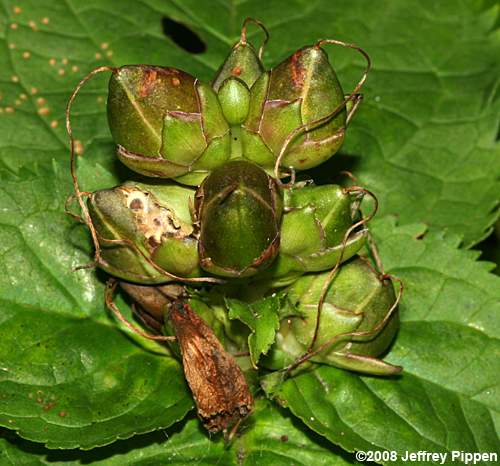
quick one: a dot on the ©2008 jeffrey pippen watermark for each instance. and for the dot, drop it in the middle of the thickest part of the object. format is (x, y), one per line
(428, 457)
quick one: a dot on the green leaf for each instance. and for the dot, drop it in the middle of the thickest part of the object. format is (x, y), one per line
(69, 377)
(269, 437)
(262, 317)
(448, 396)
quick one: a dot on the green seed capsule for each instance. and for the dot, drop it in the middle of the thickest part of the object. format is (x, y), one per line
(234, 98)
(301, 90)
(239, 210)
(166, 123)
(148, 223)
(358, 302)
(314, 224)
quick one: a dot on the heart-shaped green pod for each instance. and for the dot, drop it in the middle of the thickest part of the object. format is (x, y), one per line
(239, 209)
(315, 221)
(140, 225)
(166, 123)
(299, 91)
(358, 316)
(233, 81)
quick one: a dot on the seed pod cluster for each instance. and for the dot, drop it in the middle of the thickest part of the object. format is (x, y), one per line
(217, 214)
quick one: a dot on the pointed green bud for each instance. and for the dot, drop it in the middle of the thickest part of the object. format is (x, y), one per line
(357, 307)
(301, 90)
(145, 221)
(242, 63)
(234, 98)
(166, 123)
(314, 224)
(239, 210)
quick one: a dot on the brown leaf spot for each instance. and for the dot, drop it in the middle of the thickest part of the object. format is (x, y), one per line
(49, 406)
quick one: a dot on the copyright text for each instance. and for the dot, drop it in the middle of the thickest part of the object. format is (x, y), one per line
(463, 457)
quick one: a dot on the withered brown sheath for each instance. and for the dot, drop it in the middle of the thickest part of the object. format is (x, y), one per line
(218, 385)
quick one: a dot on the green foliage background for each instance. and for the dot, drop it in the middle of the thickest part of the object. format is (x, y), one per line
(424, 140)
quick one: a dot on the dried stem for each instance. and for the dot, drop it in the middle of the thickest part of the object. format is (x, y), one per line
(76, 186)
(243, 36)
(108, 297)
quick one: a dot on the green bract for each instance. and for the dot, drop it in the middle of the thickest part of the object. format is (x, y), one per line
(300, 90)
(166, 123)
(239, 209)
(242, 63)
(147, 224)
(356, 311)
(315, 221)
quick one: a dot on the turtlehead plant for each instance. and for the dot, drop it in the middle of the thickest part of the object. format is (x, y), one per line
(238, 208)
(313, 231)
(145, 232)
(281, 282)
(357, 324)
(166, 123)
(298, 113)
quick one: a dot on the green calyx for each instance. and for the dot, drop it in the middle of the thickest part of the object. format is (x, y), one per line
(145, 232)
(315, 222)
(166, 123)
(301, 91)
(239, 210)
(356, 319)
